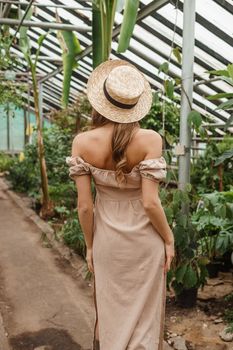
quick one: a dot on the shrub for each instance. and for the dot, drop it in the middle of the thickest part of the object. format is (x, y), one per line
(72, 234)
(24, 173)
(205, 176)
(5, 162)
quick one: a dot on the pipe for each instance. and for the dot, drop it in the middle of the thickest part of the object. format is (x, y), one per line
(66, 7)
(45, 25)
(187, 91)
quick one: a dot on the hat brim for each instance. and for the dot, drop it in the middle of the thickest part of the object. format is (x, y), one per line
(99, 102)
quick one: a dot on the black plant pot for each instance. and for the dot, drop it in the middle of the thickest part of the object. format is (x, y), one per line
(213, 269)
(187, 298)
(226, 264)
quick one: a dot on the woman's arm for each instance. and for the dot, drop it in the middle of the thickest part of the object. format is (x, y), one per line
(85, 207)
(154, 209)
(84, 204)
(151, 200)
(155, 212)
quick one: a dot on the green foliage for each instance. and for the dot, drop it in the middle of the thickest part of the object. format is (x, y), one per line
(103, 15)
(169, 88)
(7, 60)
(10, 92)
(226, 155)
(194, 119)
(213, 220)
(188, 268)
(154, 119)
(226, 75)
(11, 95)
(205, 175)
(71, 118)
(5, 162)
(164, 67)
(70, 49)
(25, 173)
(72, 234)
(128, 23)
(176, 52)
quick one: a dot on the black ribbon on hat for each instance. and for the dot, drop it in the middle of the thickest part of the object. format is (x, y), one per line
(115, 102)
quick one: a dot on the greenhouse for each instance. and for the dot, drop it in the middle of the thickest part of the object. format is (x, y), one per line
(48, 51)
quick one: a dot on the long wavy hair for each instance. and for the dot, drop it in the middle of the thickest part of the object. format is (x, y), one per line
(121, 137)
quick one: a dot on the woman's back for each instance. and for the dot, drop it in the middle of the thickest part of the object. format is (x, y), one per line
(95, 147)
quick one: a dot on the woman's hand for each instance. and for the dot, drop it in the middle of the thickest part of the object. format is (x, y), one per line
(170, 252)
(89, 259)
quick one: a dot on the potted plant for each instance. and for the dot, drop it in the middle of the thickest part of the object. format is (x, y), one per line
(213, 220)
(188, 272)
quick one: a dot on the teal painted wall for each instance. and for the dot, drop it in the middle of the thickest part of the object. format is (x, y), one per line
(16, 128)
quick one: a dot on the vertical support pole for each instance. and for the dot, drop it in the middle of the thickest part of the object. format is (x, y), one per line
(187, 90)
(8, 126)
(29, 137)
(41, 103)
(25, 125)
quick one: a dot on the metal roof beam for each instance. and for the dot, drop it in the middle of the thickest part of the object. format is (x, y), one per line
(46, 25)
(198, 43)
(224, 4)
(211, 27)
(36, 4)
(6, 9)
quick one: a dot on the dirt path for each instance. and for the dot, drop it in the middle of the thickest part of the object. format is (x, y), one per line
(40, 304)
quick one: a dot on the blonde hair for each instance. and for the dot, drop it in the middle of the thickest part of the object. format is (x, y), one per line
(121, 137)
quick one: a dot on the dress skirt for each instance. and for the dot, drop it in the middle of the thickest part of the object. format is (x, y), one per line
(128, 258)
(129, 279)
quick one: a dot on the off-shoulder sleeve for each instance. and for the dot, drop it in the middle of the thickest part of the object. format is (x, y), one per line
(77, 166)
(153, 169)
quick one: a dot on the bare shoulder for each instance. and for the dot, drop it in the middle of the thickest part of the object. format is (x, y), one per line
(151, 142)
(79, 142)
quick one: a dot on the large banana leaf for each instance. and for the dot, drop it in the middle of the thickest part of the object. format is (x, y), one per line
(70, 49)
(24, 41)
(96, 35)
(103, 20)
(128, 23)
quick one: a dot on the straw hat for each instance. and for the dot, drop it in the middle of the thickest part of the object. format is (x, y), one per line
(118, 91)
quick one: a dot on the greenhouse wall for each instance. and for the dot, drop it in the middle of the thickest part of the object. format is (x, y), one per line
(16, 127)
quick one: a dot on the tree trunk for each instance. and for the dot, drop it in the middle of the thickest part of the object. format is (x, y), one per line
(47, 207)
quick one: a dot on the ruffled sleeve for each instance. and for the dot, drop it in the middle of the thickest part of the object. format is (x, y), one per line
(77, 166)
(153, 169)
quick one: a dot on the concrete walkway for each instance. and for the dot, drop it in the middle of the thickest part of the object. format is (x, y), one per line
(41, 305)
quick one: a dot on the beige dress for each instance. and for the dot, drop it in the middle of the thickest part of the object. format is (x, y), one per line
(128, 258)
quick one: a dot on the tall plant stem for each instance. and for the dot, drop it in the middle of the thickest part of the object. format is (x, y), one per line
(46, 203)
